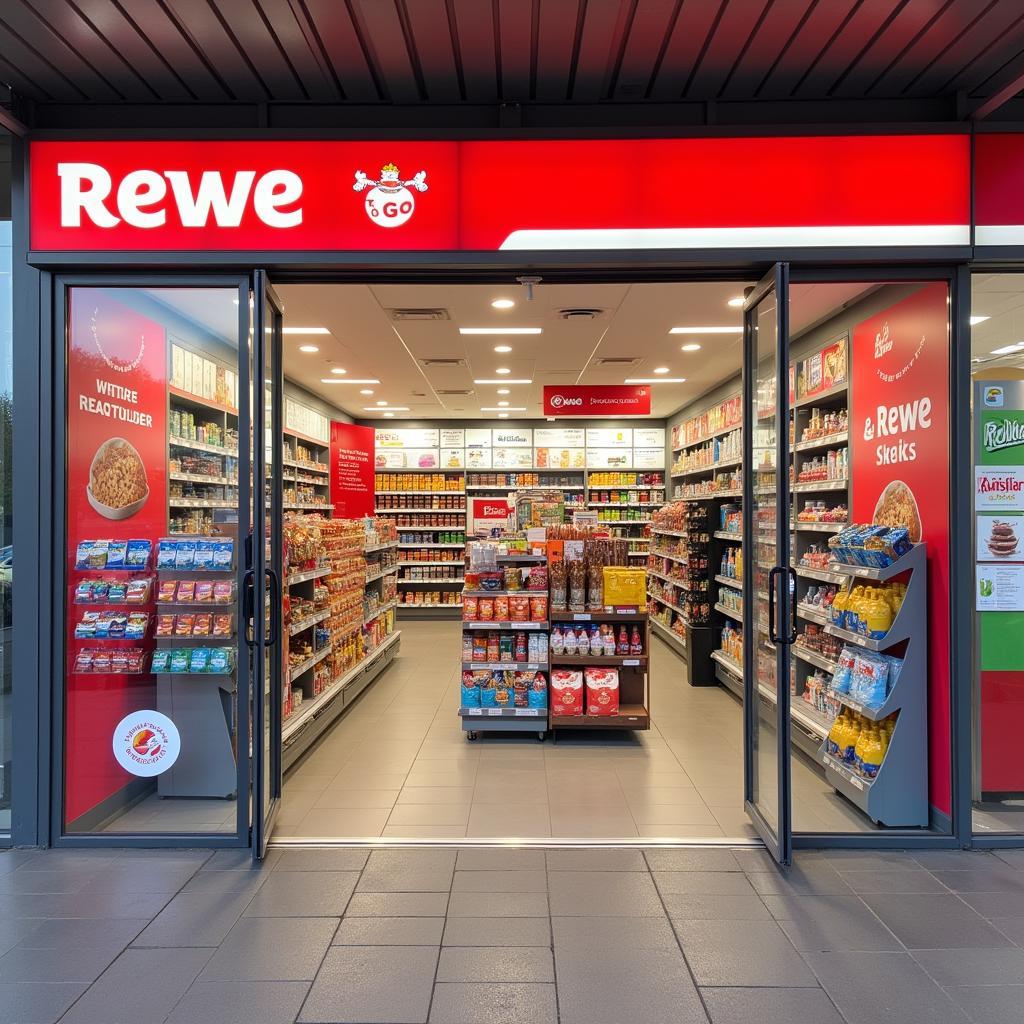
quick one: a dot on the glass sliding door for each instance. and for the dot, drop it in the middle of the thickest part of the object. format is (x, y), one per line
(767, 576)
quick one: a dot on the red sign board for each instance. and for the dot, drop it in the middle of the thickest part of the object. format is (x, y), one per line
(117, 413)
(899, 421)
(999, 189)
(527, 195)
(352, 485)
(597, 400)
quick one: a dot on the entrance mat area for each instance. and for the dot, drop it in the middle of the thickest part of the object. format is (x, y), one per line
(521, 936)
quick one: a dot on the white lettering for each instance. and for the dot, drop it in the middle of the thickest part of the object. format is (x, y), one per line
(897, 419)
(274, 190)
(210, 195)
(74, 197)
(142, 188)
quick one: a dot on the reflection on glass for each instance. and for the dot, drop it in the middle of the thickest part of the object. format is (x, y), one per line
(152, 560)
(6, 512)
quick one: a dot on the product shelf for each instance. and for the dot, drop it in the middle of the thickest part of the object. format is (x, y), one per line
(630, 716)
(814, 486)
(732, 613)
(672, 558)
(420, 511)
(818, 527)
(813, 658)
(200, 503)
(560, 615)
(667, 604)
(728, 535)
(827, 441)
(307, 466)
(431, 583)
(380, 611)
(306, 574)
(380, 547)
(728, 581)
(710, 468)
(201, 446)
(431, 493)
(669, 635)
(300, 670)
(505, 625)
(380, 575)
(503, 713)
(424, 561)
(812, 614)
(305, 624)
(507, 666)
(819, 574)
(714, 433)
(668, 533)
(404, 544)
(603, 660)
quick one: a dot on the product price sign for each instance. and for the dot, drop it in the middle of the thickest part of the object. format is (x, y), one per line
(409, 458)
(560, 458)
(610, 458)
(512, 458)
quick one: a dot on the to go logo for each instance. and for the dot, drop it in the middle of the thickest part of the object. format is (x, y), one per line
(389, 202)
(561, 402)
(146, 743)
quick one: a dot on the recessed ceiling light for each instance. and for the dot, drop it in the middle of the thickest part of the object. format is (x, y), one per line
(503, 303)
(502, 415)
(366, 391)
(503, 408)
(349, 380)
(389, 415)
(975, 320)
(504, 391)
(661, 369)
(309, 348)
(304, 330)
(339, 370)
(391, 408)
(1008, 349)
(499, 380)
(706, 330)
(382, 403)
(500, 404)
(501, 330)
(502, 348)
(736, 301)
(690, 347)
(654, 380)
(502, 370)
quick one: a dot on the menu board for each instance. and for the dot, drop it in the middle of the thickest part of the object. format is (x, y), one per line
(560, 437)
(610, 437)
(511, 438)
(407, 438)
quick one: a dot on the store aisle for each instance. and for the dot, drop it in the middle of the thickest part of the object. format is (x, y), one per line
(398, 765)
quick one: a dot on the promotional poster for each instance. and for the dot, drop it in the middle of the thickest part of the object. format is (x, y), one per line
(351, 470)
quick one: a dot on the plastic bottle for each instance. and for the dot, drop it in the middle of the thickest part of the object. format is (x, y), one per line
(557, 646)
(636, 643)
(622, 649)
(583, 642)
(851, 734)
(835, 735)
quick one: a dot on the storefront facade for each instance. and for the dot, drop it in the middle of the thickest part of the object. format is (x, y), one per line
(103, 214)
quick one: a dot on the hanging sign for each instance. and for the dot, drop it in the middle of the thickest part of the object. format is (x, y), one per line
(352, 465)
(595, 400)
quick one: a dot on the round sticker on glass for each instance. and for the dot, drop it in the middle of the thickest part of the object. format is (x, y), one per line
(146, 743)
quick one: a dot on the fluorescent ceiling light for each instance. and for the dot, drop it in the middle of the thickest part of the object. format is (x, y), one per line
(505, 408)
(308, 348)
(706, 330)
(366, 391)
(736, 301)
(690, 347)
(502, 348)
(304, 330)
(1008, 349)
(503, 303)
(338, 369)
(661, 369)
(504, 391)
(501, 330)
(975, 320)
(654, 380)
(349, 380)
(499, 380)
(393, 408)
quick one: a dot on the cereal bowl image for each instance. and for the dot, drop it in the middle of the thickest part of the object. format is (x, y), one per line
(897, 506)
(118, 487)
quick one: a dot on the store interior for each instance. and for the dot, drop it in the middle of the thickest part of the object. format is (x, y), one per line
(617, 718)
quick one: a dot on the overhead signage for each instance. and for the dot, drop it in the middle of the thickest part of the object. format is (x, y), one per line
(649, 437)
(609, 458)
(602, 438)
(410, 458)
(512, 438)
(351, 468)
(597, 400)
(559, 458)
(453, 458)
(306, 421)
(452, 438)
(649, 458)
(511, 458)
(179, 194)
(478, 437)
(407, 438)
(559, 437)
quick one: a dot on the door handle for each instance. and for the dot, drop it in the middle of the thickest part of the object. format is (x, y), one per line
(275, 607)
(247, 606)
(772, 577)
(792, 603)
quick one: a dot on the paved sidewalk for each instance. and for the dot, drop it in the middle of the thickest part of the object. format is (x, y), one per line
(510, 937)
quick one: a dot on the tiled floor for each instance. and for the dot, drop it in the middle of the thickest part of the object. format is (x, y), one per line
(510, 936)
(398, 765)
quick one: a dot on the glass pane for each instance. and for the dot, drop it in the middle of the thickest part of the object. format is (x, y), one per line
(6, 506)
(765, 442)
(153, 556)
(997, 303)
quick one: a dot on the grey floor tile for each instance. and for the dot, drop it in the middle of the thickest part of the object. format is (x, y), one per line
(830, 922)
(973, 966)
(710, 883)
(989, 1004)
(893, 880)
(595, 860)
(195, 919)
(531, 880)
(770, 1006)
(321, 860)
(500, 904)
(995, 904)
(1011, 927)
(389, 931)
(599, 934)
(233, 1002)
(491, 964)
(373, 985)
(272, 949)
(994, 877)
(933, 921)
(484, 1003)
(863, 860)
(140, 876)
(500, 860)
(603, 894)
(869, 987)
(55, 860)
(716, 908)
(692, 860)
(616, 985)
(32, 883)
(84, 904)
(82, 965)
(736, 953)
(226, 881)
(239, 860)
(497, 931)
(140, 987)
(1015, 858)
(397, 904)
(11, 860)
(73, 933)
(814, 878)
(408, 871)
(955, 860)
(27, 1003)
(303, 894)
(16, 931)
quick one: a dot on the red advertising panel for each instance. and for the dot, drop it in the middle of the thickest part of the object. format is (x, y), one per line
(531, 195)
(999, 189)
(116, 492)
(597, 400)
(899, 429)
(351, 470)
(490, 512)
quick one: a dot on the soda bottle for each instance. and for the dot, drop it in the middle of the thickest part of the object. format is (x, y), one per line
(636, 643)
(623, 647)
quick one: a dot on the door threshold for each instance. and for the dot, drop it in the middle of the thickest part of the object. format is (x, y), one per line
(390, 842)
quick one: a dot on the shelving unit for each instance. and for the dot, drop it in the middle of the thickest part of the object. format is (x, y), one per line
(306, 473)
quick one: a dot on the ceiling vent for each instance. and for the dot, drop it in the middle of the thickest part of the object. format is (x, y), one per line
(580, 313)
(617, 361)
(414, 313)
(442, 362)
(453, 391)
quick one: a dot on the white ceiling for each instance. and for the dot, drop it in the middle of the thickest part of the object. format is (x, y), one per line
(1001, 298)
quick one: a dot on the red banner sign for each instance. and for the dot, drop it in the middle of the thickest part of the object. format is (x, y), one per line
(597, 400)
(116, 489)
(899, 428)
(351, 470)
(536, 195)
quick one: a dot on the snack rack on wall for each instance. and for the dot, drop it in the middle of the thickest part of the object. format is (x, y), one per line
(625, 500)
(428, 508)
(306, 473)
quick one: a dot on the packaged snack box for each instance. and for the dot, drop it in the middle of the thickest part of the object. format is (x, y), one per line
(166, 591)
(538, 693)
(161, 660)
(186, 590)
(199, 660)
(138, 622)
(625, 587)
(223, 591)
(86, 628)
(183, 625)
(504, 694)
(222, 625)
(84, 661)
(137, 554)
(470, 691)
(117, 591)
(220, 660)
(84, 592)
(179, 661)
(521, 689)
(204, 591)
(137, 591)
(203, 555)
(602, 691)
(223, 554)
(488, 698)
(566, 693)
(185, 557)
(203, 625)
(166, 554)
(116, 551)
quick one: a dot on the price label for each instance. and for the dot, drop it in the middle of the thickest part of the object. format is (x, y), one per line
(631, 661)
(475, 711)
(581, 617)
(526, 712)
(494, 712)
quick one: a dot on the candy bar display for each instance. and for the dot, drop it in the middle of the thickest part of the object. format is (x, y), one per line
(403, 483)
